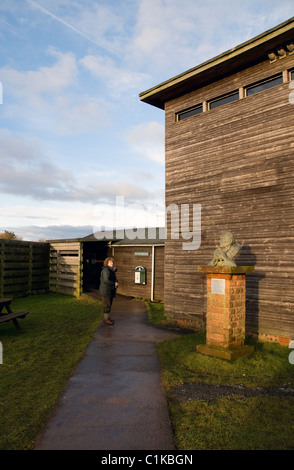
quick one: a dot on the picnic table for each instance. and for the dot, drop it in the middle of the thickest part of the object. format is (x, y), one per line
(9, 314)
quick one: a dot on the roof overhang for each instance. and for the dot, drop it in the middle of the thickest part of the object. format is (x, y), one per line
(238, 58)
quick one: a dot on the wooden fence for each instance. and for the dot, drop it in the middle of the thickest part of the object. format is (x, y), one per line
(23, 268)
(66, 268)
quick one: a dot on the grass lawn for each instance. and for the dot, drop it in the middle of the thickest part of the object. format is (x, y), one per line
(231, 422)
(39, 359)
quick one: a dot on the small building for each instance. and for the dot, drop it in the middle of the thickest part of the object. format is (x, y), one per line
(75, 264)
(229, 136)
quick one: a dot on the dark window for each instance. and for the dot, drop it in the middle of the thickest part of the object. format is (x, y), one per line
(189, 112)
(292, 75)
(224, 100)
(264, 85)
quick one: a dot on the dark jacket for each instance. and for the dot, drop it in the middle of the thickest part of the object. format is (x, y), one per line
(107, 282)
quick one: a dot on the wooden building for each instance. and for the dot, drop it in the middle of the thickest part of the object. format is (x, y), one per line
(229, 132)
(75, 264)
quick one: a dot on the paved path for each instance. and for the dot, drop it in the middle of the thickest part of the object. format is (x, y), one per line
(115, 400)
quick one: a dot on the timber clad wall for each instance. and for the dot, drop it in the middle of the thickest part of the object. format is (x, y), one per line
(237, 162)
(66, 269)
(159, 273)
(23, 268)
(126, 262)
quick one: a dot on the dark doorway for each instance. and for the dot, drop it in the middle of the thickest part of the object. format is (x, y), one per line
(94, 253)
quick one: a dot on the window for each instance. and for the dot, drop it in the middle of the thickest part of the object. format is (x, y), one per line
(189, 112)
(291, 74)
(264, 85)
(224, 100)
(235, 95)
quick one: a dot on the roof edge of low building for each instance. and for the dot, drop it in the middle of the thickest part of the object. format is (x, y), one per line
(152, 235)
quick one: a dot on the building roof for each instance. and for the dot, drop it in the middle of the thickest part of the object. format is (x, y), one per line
(139, 236)
(229, 62)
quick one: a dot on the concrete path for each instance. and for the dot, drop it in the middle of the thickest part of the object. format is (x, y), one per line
(115, 400)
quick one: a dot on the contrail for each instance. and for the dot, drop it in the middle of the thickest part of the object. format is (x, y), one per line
(60, 20)
(9, 25)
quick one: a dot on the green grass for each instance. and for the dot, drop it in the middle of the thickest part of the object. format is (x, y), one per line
(155, 313)
(227, 423)
(38, 360)
(259, 423)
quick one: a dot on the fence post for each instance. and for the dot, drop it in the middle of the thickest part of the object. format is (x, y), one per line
(30, 279)
(80, 273)
(1, 268)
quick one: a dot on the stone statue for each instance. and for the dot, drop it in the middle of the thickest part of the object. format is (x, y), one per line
(226, 251)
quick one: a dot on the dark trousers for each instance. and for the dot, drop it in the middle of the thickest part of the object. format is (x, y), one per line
(107, 303)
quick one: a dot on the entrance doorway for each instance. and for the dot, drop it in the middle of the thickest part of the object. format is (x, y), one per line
(94, 254)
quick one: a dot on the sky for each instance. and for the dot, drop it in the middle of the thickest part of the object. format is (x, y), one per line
(79, 151)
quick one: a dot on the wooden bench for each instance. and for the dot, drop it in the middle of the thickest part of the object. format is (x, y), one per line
(13, 316)
(10, 316)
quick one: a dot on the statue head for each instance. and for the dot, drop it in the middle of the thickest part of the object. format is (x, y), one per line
(227, 239)
(226, 251)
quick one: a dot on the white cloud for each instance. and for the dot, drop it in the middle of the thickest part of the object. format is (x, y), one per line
(33, 86)
(50, 98)
(51, 232)
(79, 114)
(167, 33)
(148, 140)
(112, 75)
(26, 171)
(103, 24)
(53, 213)
(172, 36)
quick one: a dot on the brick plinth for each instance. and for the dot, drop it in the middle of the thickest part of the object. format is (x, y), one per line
(225, 316)
(226, 300)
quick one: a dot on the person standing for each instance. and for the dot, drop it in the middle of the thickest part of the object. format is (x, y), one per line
(108, 285)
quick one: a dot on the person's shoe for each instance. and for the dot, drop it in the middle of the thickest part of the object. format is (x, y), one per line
(108, 321)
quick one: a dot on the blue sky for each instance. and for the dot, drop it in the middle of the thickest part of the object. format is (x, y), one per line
(74, 137)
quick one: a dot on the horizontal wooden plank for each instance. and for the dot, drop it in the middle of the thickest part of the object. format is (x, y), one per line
(65, 262)
(57, 276)
(64, 282)
(65, 290)
(72, 246)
